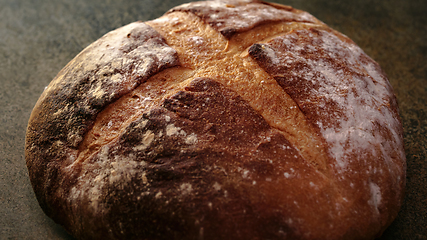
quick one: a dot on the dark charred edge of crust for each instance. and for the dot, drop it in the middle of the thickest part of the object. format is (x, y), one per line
(256, 52)
(230, 32)
(278, 6)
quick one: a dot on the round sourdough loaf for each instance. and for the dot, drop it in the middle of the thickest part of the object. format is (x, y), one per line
(219, 120)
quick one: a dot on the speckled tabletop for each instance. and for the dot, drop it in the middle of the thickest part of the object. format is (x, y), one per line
(38, 38)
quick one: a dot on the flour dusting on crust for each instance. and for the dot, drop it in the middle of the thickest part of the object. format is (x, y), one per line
(339, 89)
(230, 17)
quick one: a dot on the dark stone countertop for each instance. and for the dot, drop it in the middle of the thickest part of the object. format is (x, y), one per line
(38, 38)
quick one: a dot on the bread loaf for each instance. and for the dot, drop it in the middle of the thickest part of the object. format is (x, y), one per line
(219, 120)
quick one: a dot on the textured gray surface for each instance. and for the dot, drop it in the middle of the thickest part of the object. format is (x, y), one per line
(38, 38)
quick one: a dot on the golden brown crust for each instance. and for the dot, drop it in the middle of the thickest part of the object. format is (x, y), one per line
(219, 120)
(218, 59)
